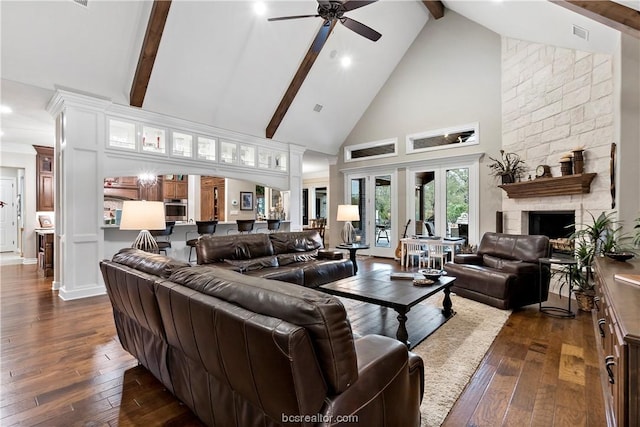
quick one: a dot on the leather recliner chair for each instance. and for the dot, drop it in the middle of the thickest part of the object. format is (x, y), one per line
(505, 271)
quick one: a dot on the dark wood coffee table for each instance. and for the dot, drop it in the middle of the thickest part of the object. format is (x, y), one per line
(400, 295)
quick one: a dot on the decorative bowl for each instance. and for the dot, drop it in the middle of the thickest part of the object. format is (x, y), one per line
(432, 273)
(423, 282)
(620, 256)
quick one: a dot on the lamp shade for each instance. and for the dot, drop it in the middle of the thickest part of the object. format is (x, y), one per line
(142, 215)
(348, 213)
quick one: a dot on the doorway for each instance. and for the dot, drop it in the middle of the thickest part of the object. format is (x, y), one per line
(375, 195)
(8, 216)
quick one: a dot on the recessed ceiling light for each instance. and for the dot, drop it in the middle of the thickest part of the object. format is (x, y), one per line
(5, 109)
(346, 61)
(259, 8)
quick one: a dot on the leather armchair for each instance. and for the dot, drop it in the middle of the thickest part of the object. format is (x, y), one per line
(505, 271)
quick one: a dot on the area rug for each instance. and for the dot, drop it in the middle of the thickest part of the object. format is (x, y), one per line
(452, 354)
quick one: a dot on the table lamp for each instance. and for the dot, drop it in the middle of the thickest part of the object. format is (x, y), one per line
(144, 216)
(348, 213)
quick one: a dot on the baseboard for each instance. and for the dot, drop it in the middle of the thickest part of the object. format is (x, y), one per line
(28, 261)
(82, 293)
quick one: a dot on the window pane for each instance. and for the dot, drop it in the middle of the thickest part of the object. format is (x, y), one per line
(458, 203)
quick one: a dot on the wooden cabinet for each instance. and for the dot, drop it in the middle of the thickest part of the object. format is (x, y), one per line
(618, 327)
(122, 187)
(211, 198)
(175, 187)
(44, 241)
(151, 193)
(45, 183)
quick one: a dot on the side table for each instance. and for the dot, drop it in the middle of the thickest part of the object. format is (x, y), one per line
(570, 264)
(353, 248)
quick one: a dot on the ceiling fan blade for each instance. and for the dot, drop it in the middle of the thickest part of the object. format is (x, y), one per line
(361, 29)
(355, 4)
(321, 37)
(282, 18)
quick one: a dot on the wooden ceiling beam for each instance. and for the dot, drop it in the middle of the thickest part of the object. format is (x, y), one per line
(150, 45)
(435, 7)
(299, 77)
(612, 14)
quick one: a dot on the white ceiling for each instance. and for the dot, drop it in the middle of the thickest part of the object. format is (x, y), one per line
(222, 65)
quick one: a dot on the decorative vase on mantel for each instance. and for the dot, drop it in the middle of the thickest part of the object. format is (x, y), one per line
(578, 161)
(507, 178)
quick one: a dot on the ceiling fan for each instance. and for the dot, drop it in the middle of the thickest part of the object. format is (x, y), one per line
(334, 10)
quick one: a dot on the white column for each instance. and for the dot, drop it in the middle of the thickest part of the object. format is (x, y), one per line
(295, 186)
(79, 238)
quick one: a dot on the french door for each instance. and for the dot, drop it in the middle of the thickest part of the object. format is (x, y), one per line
(375, 195)
(445, 203)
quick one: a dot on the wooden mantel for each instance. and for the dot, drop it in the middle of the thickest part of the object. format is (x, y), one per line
(554, 186)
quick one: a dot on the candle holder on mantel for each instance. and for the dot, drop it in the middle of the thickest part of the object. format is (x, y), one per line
(566, 166)
(578, 161)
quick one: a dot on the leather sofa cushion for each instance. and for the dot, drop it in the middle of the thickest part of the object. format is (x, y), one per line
(322, 315)
(286, 259)
(211, 249)
(494, 283)
(252, 264)
(289, 274)
(296, 241)
(155, 264)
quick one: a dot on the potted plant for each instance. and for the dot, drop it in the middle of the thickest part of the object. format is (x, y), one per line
(509, 167)
(603, 235)
(636, 236)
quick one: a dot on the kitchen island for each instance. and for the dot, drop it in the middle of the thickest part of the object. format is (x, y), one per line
(116, 239)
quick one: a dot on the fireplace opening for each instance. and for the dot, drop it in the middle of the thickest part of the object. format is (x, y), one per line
(557, 225)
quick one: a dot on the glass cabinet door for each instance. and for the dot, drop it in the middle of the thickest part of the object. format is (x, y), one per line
(122, 134)
(206, 148)
(153, 140)
(248, 155)
(264, 158)
(228, 152)
(182, 144)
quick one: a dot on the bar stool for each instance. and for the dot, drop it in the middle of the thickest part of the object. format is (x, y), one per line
(203, 228)
(273, 225)
(245, 225)
(165, 242)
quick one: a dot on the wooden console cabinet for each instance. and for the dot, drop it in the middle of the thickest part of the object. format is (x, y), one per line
(617, 325)
(44, 240)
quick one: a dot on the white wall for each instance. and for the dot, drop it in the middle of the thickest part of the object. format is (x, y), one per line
(629, 146)
(450, 76)
(27, 162)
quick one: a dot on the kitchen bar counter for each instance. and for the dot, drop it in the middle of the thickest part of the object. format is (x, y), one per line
(116, 239)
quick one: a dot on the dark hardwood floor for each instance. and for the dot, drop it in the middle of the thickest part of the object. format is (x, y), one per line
(62, 365)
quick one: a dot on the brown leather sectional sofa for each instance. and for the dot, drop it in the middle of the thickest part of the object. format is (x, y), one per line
(295, 257)
(242, 350)
(504, 272)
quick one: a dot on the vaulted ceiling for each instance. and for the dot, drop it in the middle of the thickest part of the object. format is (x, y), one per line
(219, 63)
